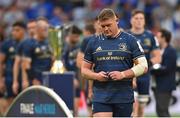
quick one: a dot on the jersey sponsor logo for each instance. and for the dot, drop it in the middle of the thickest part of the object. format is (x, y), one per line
(123, 46)
(98, 49)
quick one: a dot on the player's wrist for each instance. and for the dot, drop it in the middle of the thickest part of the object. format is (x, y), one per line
(123, 75)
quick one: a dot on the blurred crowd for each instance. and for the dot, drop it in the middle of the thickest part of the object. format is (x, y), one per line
(158, 14)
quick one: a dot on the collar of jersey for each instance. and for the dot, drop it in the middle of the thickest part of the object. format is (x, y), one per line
(110, 38)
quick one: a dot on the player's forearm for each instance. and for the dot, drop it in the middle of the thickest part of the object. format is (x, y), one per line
(15, 72)
(88, 74)
(90, 84)
(139, 69)
(1, 70)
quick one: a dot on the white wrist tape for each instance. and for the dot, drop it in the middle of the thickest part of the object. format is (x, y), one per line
(140, 67)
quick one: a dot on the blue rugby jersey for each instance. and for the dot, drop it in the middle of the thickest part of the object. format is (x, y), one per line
(22, 45)
(85, 43)
(113, 54)
(8, 48)
(69, 57)
(148, 42)
(41, 55)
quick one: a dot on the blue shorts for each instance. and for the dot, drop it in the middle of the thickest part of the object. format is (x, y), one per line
(143, 84)
(118, 109)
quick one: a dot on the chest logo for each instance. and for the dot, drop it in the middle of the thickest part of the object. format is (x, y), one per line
(123, 46)
(147, 42)
(11, 49)
(98, 49)
(37, 50)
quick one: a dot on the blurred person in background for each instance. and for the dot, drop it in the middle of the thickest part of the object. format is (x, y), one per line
(31, 29)
(69, 58)
(153, 56)
(88, 31)
(37, 56)
(7, 58)
(165, 75)
(17, 68)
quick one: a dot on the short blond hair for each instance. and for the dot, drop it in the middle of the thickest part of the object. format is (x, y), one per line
(106, 14)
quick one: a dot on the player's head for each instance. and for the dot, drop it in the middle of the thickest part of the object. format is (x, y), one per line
(137, 19)
(42, 28)
(89, 29)
(73, 36)
(109, 22)
(31, 28)
(18, 30)
(97, 26)
(163, 36)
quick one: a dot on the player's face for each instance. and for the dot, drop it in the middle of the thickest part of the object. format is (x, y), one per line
(73, 38)
(109, 27)
(42, 29)
(31, 27)
(18, 33)
(138, 21)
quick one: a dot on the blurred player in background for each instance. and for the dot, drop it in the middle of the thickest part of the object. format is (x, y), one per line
(31, 28)
(112, 55)
(69, 58)
(37, 56)
(88, 31)
(153, 56)
(165, 75)
(7, 57)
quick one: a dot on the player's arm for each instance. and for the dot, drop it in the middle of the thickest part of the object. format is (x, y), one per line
(26, 62)
(90, 89)
(2, 59)
(26, 66)
(140, 68)
(16, 66)
(79, 59)
(2, 66)
(156, 56)
(87, 73)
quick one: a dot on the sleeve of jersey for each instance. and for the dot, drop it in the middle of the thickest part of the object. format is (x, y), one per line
(27, 51)
(154, 42)
(136, 48)
(83, 45)
(88, 55)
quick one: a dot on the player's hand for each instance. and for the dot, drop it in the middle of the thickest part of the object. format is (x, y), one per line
(25, 84)
(102, 76)
(15, 87)
(116, 75)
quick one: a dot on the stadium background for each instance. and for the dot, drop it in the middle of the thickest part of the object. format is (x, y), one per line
(159, 13)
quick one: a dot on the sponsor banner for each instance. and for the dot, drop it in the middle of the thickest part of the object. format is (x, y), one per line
(38, 101)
